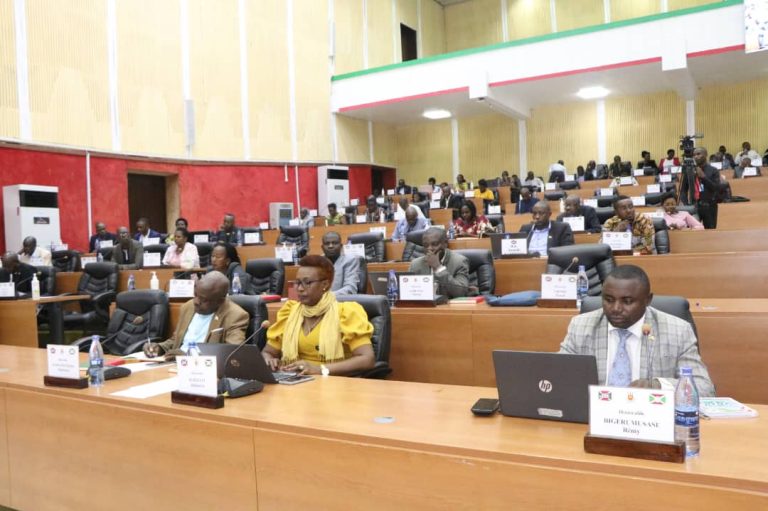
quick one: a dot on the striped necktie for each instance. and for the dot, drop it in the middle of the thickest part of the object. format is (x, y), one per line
(621, 371)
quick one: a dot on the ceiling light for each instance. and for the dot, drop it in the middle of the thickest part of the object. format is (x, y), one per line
(593, 92)
(436, 114)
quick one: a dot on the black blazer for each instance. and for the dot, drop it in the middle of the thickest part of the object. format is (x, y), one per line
(591, 222)
(560, 234)
(711, 182)
(453, 202)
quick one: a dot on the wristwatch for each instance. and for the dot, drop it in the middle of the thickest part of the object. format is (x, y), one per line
(324, 370)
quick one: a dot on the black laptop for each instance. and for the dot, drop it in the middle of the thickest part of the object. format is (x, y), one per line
(550, 386)
(246, 364)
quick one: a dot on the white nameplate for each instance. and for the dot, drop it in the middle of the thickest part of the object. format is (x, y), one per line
(749, 172)
(313, 212)
(606, 192)
(106, 243)
(569, 178)
(652, 188)
(590, 202)
(550, 186)
(717, 164)
(354, 249)
(294, 221)
(437, 196)
(152, 259)
(576, 222)
(59, 246)
(88, 260)
(7, 290)
(284, 253)
(382, 230)
(251, 238)
(63, 361)
(632, 413)
(36, 261)
(638, 172)
(675, 170)
(665, 178)
(558, 287)
(417, 287)
(201, 238)
(361, 219)
(354, 202)
(151, 241)
(391, 191)
(435, 204)
(659, 213)
(494, 210)
(379, 200)
(625, 181)
(197, 375)
(617, 240)
(263, 225)
(638, 201)
(514, 246)
(181, 288)
(469, 194)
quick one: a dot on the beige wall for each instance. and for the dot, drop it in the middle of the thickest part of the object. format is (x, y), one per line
(385, 144)
(349, 16)
(488, 144)
(565, 132)
(528, 18)
(424, 150)
(9, 110)
(583, 13)
(432, 28)
(472, 24)
(353, 140)
(626, 9)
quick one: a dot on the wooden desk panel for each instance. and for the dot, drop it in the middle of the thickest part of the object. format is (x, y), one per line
(5, 475)
(18, 323)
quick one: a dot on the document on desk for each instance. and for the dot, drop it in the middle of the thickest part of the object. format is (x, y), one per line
(156, 388)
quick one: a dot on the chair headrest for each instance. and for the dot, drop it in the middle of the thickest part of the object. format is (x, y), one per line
(589, 255)
(293, 231)
(415, 237)
(100, 270)
(249, 303)
(365, 237)
(264, 264)
(659, 224)
(139, 301)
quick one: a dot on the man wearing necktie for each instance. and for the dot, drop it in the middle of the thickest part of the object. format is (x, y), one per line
(634, 344)
(703, 190)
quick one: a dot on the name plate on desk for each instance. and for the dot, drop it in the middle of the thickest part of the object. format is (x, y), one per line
(437, 196)
(181, 288)
(417, 287)
(151, 241)
(106, 244)
(749, 172)
(675, 170)
(88, 259)
(514, 246)
(494, 210)
(313, 213)
(550, 186)
(638, 172)
(354, 202)
(617, 240)
(469, 194)
(653, 189)
(264, 225)
(592, 203)
(63, 361)
(152, 259)
(576, 222)
(558, 287)
(638, 201)
(200, 238)
(361, 219)
(7, 290)
(294, 221)
(284, 253)
(391, 191)
(665, 178)
(382, 230)
(251, 238)
(380, 200)
(606, 192)
(569, 178)
(626, 181)
(197, 375)
(717, 164)
(435, 204)
(354, 249)
(632, 413)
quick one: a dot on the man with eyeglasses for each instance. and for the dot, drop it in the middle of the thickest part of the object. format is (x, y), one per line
(346, 276)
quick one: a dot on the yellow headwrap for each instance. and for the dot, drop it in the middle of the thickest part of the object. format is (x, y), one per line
(331, 348)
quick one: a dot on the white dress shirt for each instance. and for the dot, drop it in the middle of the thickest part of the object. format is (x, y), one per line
(40, 257)
(633, 347)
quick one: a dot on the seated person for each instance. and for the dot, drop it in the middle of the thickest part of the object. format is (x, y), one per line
(30, 253)
(450, 200)
(433, 183)
(544, 234)
(678, 219)
(483, 191)
(229, 232)
(181, 223)
(209, 317)
(101, 235)
(402, 206)
(20, 273)
(317, 334)
(334, 217)
(627, 332)
(182, 254)
(224, 259)
(590, 173)
(412, 222)
(470, 224)
(670, 161)
(533, 183)
(144, 231)
(738, 171)
(574, 207)
(747, 152)
(306, 219)
(526, 202)
(461, 183)
(402, 188)
(625, 219)
(505, 180)
(647, 161)
(615, 169)
(373, 213)
(451, 270)
(346, 276)
(557, 172)
(127, 253)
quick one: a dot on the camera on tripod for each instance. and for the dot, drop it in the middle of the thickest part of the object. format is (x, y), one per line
(687, 144)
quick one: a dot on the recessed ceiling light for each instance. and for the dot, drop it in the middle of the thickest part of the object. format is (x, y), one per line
(436, 114)
(593, 92)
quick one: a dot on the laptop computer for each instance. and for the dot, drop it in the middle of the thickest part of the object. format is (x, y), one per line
(379, 280)
(246, 364)
(549, 386)
(496, 243)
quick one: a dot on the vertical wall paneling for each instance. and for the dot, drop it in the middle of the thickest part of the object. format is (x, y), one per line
(11, 86)
(291, 48)
(370, 142)
(522, 144)
(245, 121)
(114, 112)
(602, 151)
(566, 131)
(504, 20)
(432, 28)
(365, 34)
(419, 31)
(186, 79)
(354, 146)
(424, 149)
(528, 18)
(488, 144)
(606, 11)
(455, 148)
(663, 6)
(553, 16)
(331, 70)
(690, 117)
(380, 33)
(584, 13)
(627, 9)
(473, 24)
(674, 5)
(348, 21)
(384, 144)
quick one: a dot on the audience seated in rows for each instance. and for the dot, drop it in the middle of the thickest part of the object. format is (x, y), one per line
(450, 270)
(181, 223)
(647, 161)
(574, 208)
(224, 259)
(544, 234)
(306, 219)
(182, 254)
(410, 223)
(678, 219)
(526, 202)
(144, 232)
(334, 217)
(94, 243)
(128, 253)
(470, 224)
(483, 192)
(229, 232)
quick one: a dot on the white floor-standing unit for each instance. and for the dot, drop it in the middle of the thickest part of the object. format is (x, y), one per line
(332, 186)
(280, 214)
(31, 210)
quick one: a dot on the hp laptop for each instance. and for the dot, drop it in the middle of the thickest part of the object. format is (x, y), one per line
(496, 243)
(379, 280)
(246, 364)
(548, 386)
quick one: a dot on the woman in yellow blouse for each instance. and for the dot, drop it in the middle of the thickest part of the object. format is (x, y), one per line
(317, 334)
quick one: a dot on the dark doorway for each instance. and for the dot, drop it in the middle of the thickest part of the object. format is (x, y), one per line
(408, 43)
(146, 198)
(382, 178)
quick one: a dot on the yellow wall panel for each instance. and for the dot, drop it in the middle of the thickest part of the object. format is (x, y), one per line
(584, 13)
(565, 132)
(9, 104)
(348, 21)
(731, 114)
(407, 13)
(149, 90)
(424, 150)
(352, 136)
(528, 18)
(674, 5)
(313, 86)
(268, 101)
(652, 122)
(214, 51)
(472, 24)
(626, 9)
(68, 79)
(380, 33)
(432, 28)
(488, 144)
(384, 144)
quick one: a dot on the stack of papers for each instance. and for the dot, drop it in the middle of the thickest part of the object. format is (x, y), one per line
(724, 408)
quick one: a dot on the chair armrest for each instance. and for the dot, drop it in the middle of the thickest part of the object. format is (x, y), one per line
(133, 348)
(63, 294)
(84, 343)
(103, 299)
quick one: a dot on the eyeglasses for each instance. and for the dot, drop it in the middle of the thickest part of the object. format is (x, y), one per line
(305, 283)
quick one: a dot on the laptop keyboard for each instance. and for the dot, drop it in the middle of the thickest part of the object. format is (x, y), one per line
(283, 375)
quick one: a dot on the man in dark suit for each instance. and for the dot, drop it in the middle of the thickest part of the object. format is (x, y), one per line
(701, 188)
(573, 208)
(145, 231)
(449, 199)
(402, 188)
(544, 234)
(229, 232)
(127, 253)
(20, 273)
(101, 235)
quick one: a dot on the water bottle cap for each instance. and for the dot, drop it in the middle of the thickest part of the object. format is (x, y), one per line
(581, 267)
(686, 371)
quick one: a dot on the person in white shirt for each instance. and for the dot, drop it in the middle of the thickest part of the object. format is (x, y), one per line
(181, 254)
(747, 152)
(30, 253)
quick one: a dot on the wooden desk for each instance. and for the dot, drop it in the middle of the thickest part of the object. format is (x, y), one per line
(18, 320)
(434, 455)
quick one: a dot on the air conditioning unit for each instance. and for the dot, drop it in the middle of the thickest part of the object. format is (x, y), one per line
(332, 187)
(280, 214)
(31, 210)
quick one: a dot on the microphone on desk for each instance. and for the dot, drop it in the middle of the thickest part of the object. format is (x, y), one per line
(239, 388)
(574, 261)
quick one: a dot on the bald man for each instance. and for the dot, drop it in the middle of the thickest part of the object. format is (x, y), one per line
(20, 273)
(574, 208)
(30, 253)
(543, 233)
(209, 317)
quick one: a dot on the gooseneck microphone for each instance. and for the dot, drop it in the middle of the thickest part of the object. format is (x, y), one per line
(574, 262)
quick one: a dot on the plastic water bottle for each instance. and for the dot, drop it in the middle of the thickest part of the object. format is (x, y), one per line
(99, 256)
(35, 285)
(295, 254)
(131, 282)
(239, 237)
(582, 285)
(96, 363)
(392, 288)
(192, 349)
(687, 413)
(236, 287)
(451, 231)
(154, 283)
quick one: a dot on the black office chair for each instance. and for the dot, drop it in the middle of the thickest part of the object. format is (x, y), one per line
(675, 305)
(661, 238)
(414, 246)
(294, 235)
(497, 221)
(66, 260)
(362, 274)
(570, 185)
(604, 214)
(99, 280)
(690, 210)
(423, 206)
(374, 245)
(554, 195)
(47, 277)
(257, 314)
(377, 309)
(204, 251)
(482, 273)
(604, 202)
(203, 236)
(656, 198)
(106, 253)
(267, 275)
(139, 316)
(596, 258)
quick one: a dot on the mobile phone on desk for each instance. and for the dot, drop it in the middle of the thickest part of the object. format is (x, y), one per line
(293, 380)
(485, 407)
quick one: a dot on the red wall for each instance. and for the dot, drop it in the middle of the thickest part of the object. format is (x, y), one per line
(206, 192)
